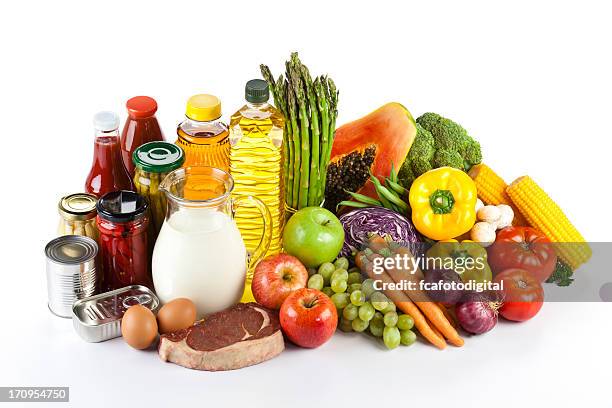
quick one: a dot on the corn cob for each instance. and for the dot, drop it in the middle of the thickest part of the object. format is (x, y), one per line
(545, 215)
(492, 190)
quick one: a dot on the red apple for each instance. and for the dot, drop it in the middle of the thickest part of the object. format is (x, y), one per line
(276, 277)
(308, 317)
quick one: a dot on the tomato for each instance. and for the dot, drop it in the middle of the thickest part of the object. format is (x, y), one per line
(524, 248)
(523, 294)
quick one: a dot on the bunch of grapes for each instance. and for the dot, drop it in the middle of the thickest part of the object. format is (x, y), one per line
(360, 306)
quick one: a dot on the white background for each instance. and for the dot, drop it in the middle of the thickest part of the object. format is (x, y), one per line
(530, 80)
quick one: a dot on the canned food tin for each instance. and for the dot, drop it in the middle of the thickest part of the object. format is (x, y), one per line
(71, 272)
(98, 318)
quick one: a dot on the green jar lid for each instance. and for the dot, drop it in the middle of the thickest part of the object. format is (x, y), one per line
(158, 157)
(256, 91)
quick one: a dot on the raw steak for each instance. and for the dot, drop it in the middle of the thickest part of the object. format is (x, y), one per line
(243, 335)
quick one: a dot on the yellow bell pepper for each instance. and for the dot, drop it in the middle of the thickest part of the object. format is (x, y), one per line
(469, 259)
(443, 203)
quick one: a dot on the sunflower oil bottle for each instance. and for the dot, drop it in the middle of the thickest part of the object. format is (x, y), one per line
(256, 164)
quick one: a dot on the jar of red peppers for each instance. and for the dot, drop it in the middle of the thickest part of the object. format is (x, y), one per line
(123, 223)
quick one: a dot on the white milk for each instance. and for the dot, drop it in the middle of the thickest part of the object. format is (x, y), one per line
(200, 255)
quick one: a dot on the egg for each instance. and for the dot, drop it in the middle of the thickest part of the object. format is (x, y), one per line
(175, 315)
(139, 327)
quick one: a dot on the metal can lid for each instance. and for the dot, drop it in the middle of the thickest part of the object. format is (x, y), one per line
(78, 207)
(158, 157)
(71, 250)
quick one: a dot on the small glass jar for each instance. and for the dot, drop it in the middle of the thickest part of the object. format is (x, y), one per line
(123, 223)
(78, 215)
(152, 162)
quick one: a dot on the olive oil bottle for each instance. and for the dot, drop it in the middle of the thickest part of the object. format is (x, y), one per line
(256, 164)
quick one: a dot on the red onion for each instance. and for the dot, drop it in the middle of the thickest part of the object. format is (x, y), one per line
(478, 315)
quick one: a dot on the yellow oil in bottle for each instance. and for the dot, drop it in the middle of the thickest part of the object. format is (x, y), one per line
(202, 135)
(256, 164)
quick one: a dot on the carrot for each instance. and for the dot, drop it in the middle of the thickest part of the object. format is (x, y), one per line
(433, 328)
(429, 308)
(448, 315)
(405, 305)
(433, 312)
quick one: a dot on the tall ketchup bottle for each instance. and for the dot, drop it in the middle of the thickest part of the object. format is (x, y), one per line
(107, 170)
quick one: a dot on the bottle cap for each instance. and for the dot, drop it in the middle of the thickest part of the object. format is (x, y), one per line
(78, 207)
(106, 121)
(256, 91)
(141, 106)
(121, 206)
(158, 157)
(203, 108)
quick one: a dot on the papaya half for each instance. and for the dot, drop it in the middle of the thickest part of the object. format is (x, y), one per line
(369, 144)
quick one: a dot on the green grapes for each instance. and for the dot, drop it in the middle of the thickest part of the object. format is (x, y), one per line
(340, 274)
(328, 291)
(407, 337)
(339, 285)
(391, 337)
(390, 319)
(341, 263)
(350, 312)
(354, 277)
(366, 311)
(326, 271)
(359, 325)
(341, 300)
(405, 322)
(316, 281)
(357, 298)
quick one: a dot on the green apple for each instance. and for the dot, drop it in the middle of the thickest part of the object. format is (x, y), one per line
(313, 235)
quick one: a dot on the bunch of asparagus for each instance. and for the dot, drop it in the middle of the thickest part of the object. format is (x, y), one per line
(310, 108)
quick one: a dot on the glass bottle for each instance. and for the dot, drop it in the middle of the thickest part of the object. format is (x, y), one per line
(256, 163)
(202, 135)
(140, 127)
(107, 170)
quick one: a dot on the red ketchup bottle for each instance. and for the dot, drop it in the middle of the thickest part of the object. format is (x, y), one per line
(123, 223)
(141, 127)
(107, 170)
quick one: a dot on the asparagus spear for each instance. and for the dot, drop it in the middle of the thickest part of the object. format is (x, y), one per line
(295, 136)
(304, 135)
(323, 160)
(313, 195)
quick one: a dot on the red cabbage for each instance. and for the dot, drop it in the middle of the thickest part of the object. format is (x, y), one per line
(359, 224)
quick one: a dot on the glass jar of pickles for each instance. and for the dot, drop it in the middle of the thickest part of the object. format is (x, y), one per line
(152, 162)
(78, 215)
(123, 223)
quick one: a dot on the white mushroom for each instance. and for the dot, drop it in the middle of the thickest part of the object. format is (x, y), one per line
(490, 214)
(507, 215)
(479, 205)
(483, 233)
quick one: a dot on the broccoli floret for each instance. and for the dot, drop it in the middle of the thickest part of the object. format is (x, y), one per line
(405, 176)
(439, 142)
(450, 158)
(428, 120)
(423, 145)
(471, 153)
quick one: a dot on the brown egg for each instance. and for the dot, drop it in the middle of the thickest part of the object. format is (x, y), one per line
(139, 327)
(176, 315)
